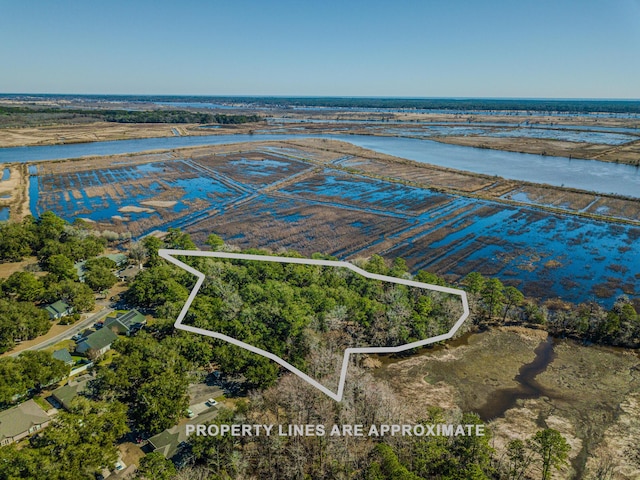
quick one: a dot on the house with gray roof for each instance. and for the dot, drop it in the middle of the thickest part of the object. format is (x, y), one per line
(63, 396)
(64, 356)
(120, 259)
(58, 309)
(126, 323)
(98, 342)
(20, 421)
(171, 441)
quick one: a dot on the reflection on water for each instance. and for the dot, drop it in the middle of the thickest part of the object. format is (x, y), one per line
(583, 174)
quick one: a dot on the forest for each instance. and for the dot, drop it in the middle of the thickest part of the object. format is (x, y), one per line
(17, 116)
(306, 314)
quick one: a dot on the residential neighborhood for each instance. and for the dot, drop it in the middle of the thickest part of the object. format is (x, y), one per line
(20, 421)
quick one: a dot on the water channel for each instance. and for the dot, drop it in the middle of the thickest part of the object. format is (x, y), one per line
(583, 174)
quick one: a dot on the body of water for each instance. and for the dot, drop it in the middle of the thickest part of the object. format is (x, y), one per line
(583, 174)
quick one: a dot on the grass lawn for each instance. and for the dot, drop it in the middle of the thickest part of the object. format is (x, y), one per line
(42, 403)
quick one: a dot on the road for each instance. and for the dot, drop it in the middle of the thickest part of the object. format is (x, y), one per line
(77, 327)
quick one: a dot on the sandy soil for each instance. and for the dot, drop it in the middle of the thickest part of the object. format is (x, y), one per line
(160, 203)
(6, 269)
(104, 131)
(134, 209)
(17, 188)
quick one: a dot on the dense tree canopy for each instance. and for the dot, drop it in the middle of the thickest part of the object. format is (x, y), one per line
(76, 447)
(150, 378)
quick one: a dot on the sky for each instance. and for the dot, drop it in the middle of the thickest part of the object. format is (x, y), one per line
(427, 48)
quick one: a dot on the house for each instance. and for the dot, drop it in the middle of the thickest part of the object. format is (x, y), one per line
(98, 342)
(64, 356)
(20, 421)
(120, 259)
(58, 309)
(171, 441)
(63, 396)
(126, 323)
(129, 273)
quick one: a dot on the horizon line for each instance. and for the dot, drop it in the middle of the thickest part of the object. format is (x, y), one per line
(378, 97)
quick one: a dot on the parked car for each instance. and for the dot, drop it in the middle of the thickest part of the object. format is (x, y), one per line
(211, 402)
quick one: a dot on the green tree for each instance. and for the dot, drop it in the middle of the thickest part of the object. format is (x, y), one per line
(519, 460)
(155, 286)
(49, 227)
(493, 296)
(152, 245)
(148, 376)
(15, 242)
(179, 240)
(78, 295)
(552, 449)
(40, 369)
(12, 382)
(474, 283)
(82, 441)
(100, 278)
(513, 298)
(21, 321)
(214, 241)
(24, 286)
(216, 451)
(154, 466)
(61, 266)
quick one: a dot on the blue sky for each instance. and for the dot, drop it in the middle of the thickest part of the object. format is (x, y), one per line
(454, 48)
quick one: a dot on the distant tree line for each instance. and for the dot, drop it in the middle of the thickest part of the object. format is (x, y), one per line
(136, 116)
(460, 105)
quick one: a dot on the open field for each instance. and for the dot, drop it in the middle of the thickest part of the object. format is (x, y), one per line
(324, 195)
(104, 131)
(589, 394)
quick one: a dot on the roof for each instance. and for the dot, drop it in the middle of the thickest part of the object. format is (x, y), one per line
(57, 307)
(130, 272)
(99, 339)
(168, 442)
(64, 395)
(21, 418)
(63, 355)
(119, 258)
(125, 322)
(131, 318)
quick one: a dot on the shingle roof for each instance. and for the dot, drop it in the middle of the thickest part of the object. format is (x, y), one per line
(57, 308)
(168, 442)
(21, 418)
(64, 395)
(98, 340)
(63, 355)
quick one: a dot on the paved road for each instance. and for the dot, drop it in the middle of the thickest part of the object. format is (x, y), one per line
(77, 327)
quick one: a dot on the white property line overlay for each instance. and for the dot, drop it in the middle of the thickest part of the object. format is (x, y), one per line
(167, 254)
